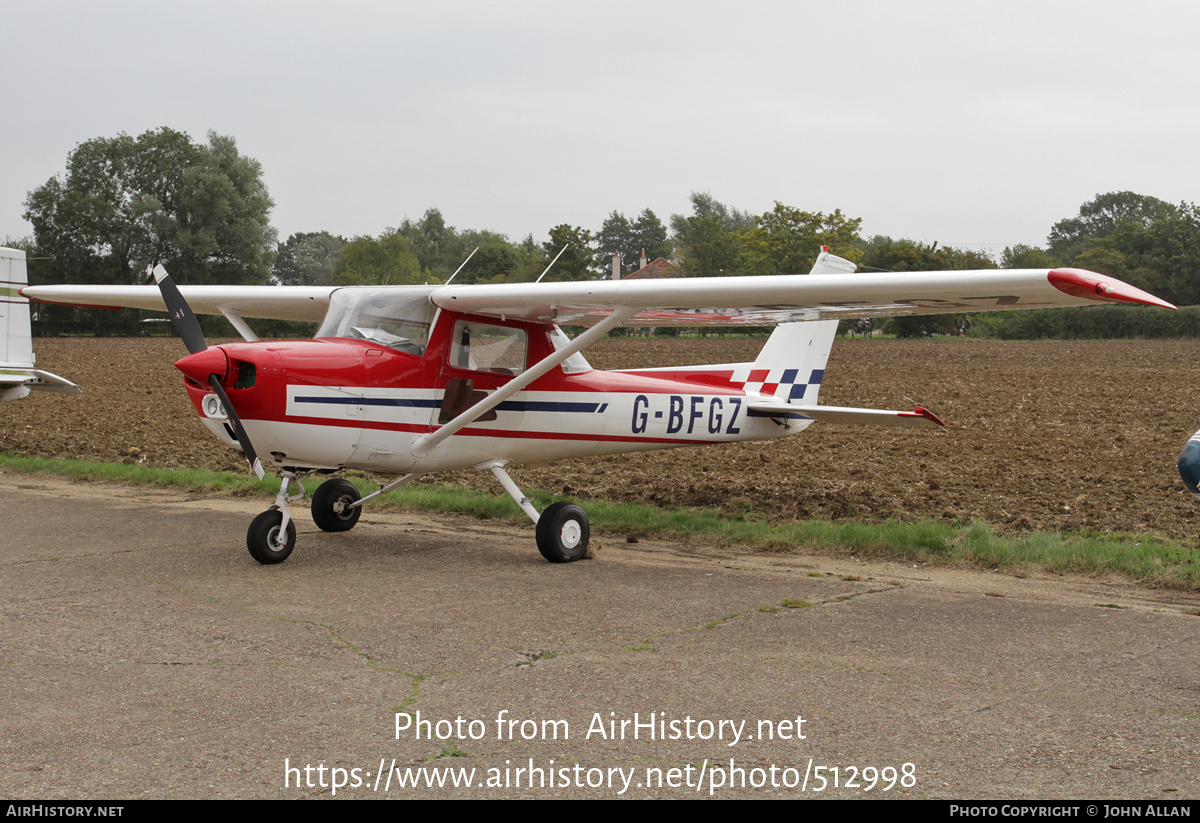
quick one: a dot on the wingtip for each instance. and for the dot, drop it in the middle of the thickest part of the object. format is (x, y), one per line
(1093, 286)
(921, 411)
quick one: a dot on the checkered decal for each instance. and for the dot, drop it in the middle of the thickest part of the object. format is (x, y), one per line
(784, 384)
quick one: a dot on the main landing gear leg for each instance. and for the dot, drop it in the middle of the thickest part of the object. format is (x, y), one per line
(272, 535)
(562, 529)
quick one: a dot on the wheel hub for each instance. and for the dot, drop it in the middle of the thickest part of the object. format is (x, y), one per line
(571, 534)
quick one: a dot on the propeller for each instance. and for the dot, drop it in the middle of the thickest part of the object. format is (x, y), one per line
(188, 327)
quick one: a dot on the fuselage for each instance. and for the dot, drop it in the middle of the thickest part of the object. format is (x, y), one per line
(337, 402)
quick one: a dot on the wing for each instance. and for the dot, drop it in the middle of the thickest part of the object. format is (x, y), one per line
(786, 298)
(685, 301)
(267, 302)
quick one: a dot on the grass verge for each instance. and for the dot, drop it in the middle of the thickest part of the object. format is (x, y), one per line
(1146, 558)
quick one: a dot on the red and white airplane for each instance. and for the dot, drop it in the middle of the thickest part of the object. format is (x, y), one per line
(408, 380)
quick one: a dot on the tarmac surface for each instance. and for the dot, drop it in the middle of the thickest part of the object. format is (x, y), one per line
(145, 654)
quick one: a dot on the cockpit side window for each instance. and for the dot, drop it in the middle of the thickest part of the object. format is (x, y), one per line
(484, 347)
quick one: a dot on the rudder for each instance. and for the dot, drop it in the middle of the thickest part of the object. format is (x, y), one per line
(17, 374)
(791, 365)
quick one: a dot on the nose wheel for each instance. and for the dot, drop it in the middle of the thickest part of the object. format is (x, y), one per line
(272, 535)
(268, 539)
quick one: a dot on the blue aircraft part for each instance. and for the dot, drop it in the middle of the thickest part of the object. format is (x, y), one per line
(1189, 464)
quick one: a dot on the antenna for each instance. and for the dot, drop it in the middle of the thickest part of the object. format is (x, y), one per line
(552, 262)
(460, 268)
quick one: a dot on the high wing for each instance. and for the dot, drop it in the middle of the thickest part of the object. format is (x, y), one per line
(783, 298)
(688, 301)
(265, 302)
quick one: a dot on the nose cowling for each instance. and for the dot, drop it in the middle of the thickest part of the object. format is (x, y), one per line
(1189, 464)
(197, 367)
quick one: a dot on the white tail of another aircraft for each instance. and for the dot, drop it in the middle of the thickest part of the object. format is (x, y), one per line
(17, 374)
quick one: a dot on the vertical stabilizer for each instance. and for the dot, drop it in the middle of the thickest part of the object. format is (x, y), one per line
(16, 341)
(791, 365)
(17, 374)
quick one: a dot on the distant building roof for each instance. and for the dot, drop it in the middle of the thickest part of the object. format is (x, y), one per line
(662, 267)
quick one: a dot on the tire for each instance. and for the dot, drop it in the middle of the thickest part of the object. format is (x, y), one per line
(262, 538)
(563, 532)
(330, 495)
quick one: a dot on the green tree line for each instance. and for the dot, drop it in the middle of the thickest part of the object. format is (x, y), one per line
(202, 210)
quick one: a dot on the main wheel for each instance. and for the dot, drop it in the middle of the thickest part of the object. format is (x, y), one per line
(264, 539)
(331, 509)
(563, 532)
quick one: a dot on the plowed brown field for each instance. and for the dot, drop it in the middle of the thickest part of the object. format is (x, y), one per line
(1041, 435)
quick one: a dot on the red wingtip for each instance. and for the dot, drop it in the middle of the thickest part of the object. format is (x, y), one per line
(1089, 284)
(921, 411)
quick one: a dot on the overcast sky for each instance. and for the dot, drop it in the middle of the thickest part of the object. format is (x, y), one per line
(972, 124)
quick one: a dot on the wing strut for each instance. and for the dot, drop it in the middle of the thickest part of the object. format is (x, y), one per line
(239, 325)
(425, 444)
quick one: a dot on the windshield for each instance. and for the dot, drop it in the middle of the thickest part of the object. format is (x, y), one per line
(399, 318)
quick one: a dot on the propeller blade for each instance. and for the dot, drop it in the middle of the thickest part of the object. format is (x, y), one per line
(240, 430)
(188, 327)
(182, 318)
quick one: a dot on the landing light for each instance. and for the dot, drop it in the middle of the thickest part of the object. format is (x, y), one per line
(213, 410)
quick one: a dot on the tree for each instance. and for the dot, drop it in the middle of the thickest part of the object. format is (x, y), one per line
(650, 234)
(709, 250)
(707, 241)
(125, 203)
(441, 250)
(388, 260)
(308, 259)
(576, 262)
(630, 239)
(1021, 256)
(495, 262)
(1100, 218)
(882, 253)
(435, 244)
(615, 237)
(704, 205)
(786, 240)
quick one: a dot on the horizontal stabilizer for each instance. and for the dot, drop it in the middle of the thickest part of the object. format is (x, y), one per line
(843, 414)
(47, 381)
(16, 383)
